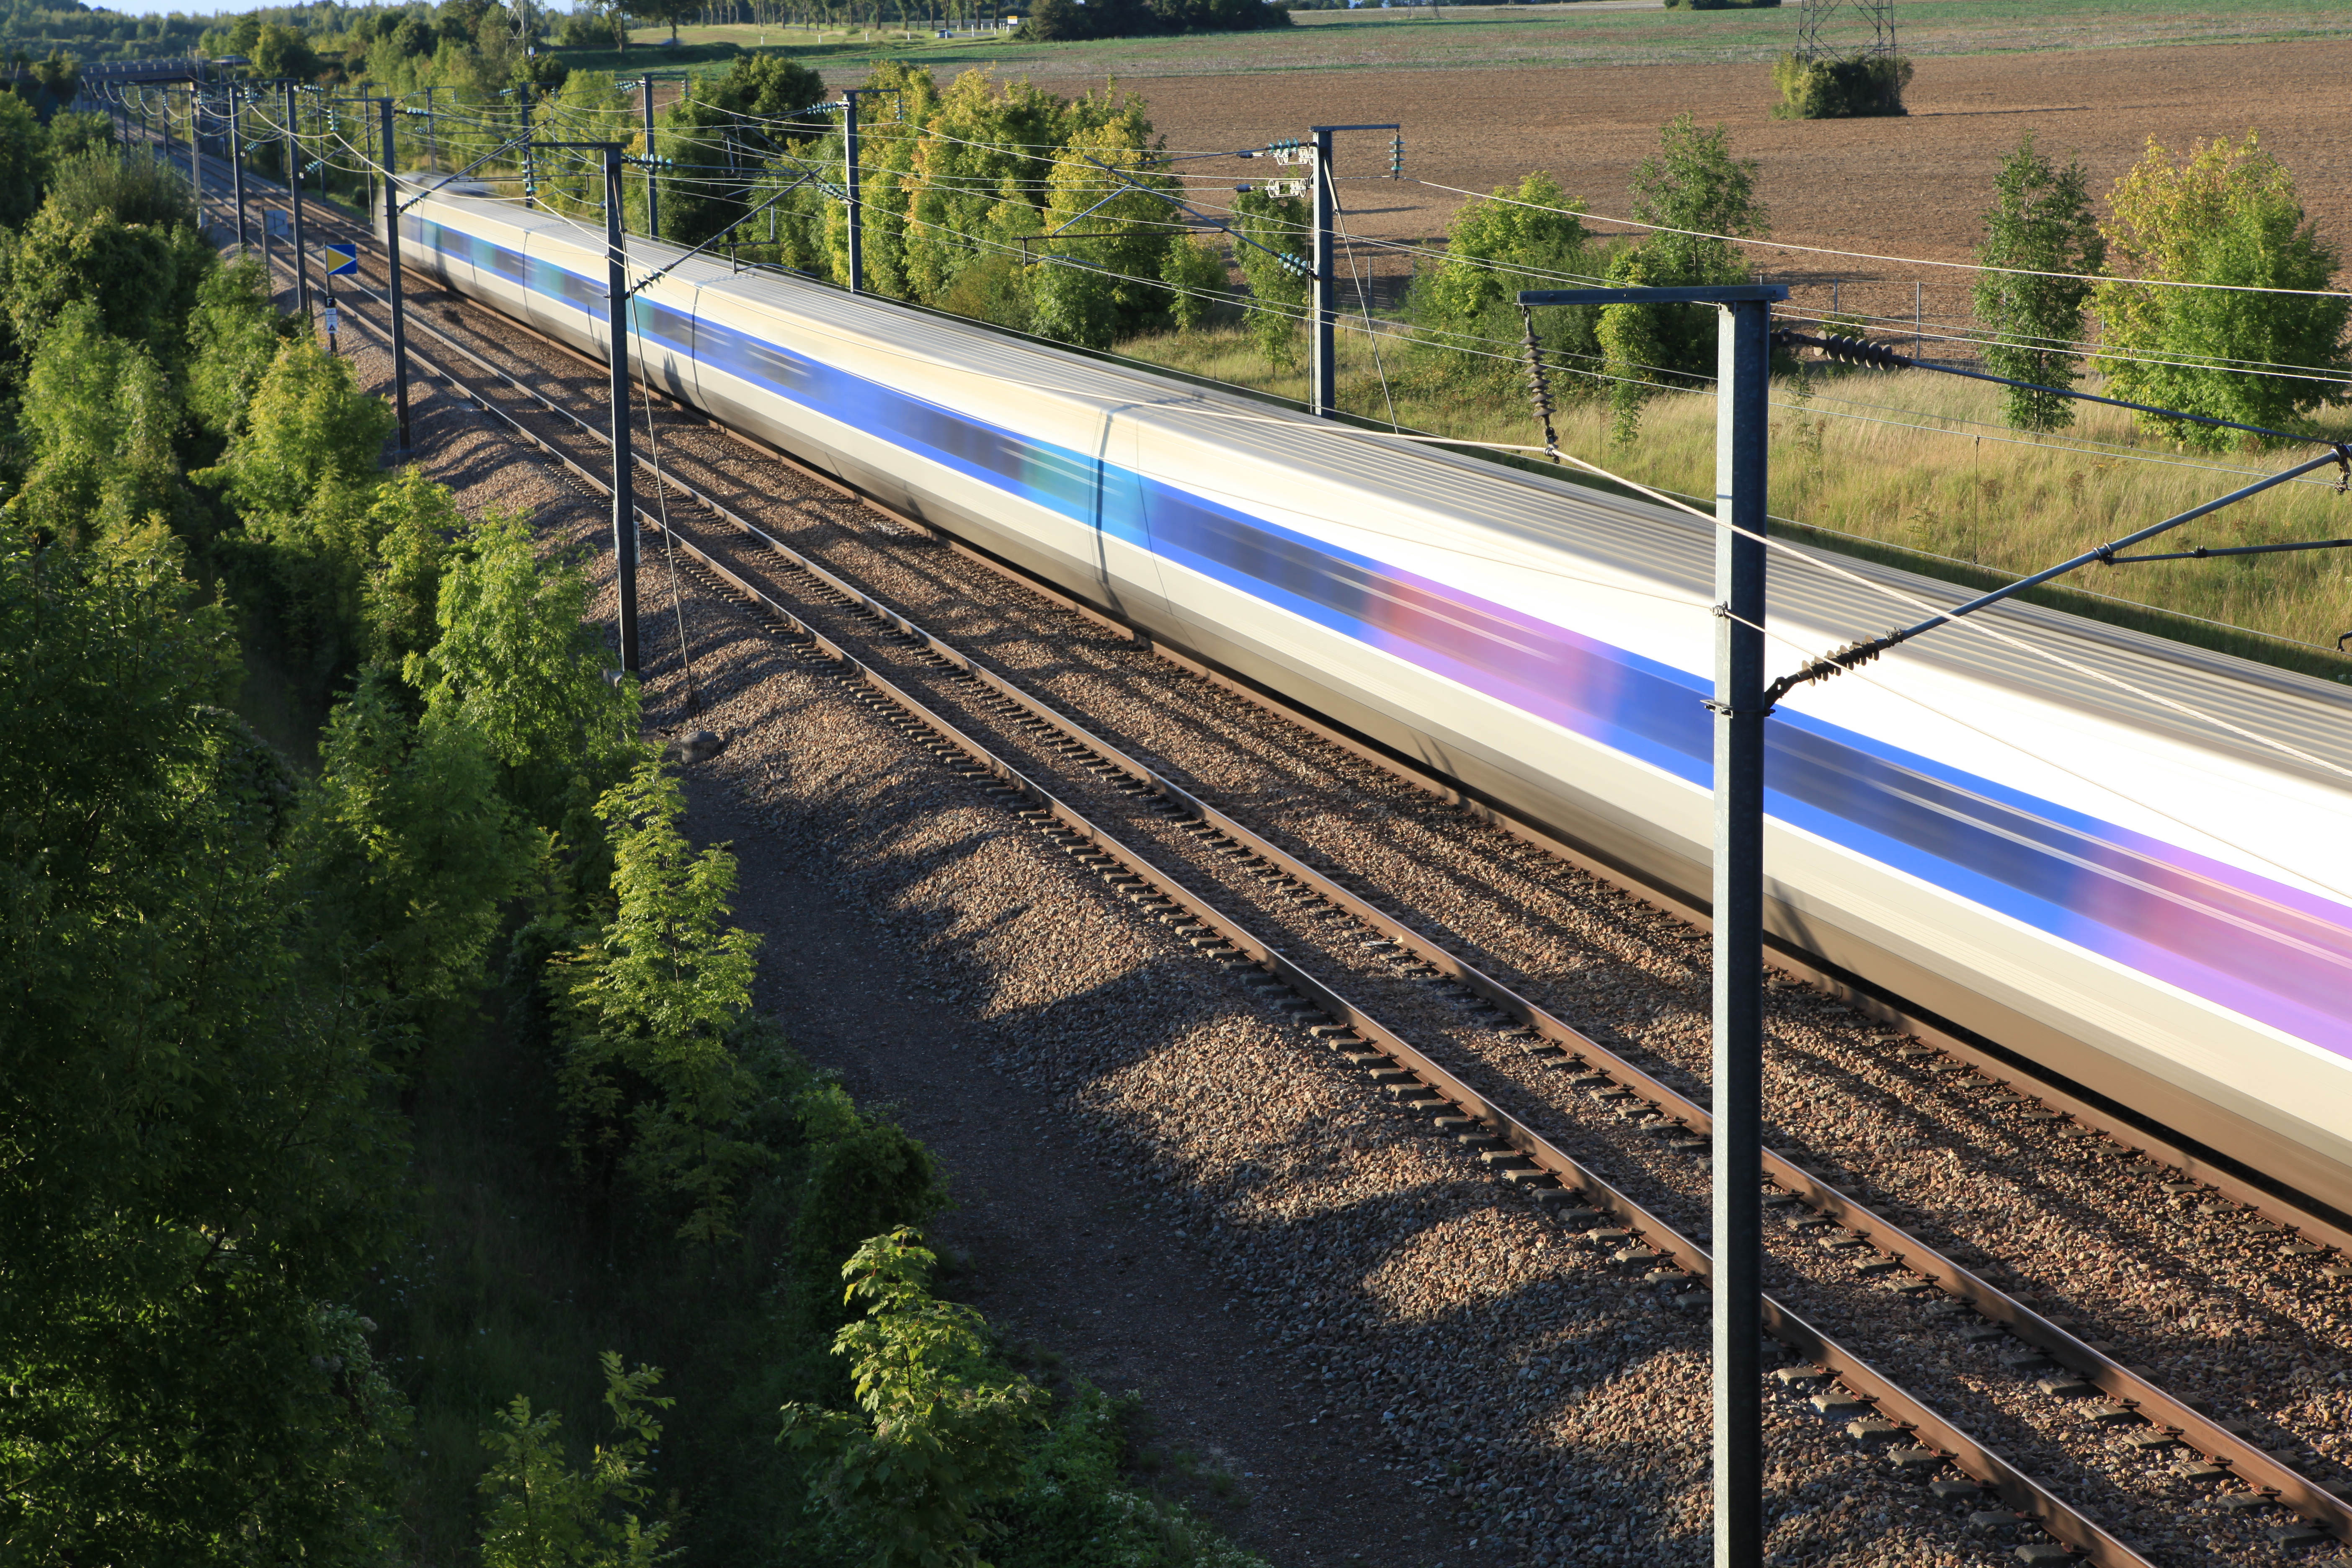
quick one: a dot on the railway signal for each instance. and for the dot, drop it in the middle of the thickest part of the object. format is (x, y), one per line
(1742, 432)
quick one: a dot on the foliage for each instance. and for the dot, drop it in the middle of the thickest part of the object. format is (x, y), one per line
(1698, 200)
(76, 133)
(517, 663)
(865, 1176)
(137, 187)
(1196, 278)
(2227, 215)
(401, 855)
(1074, 1506)
(144, 278)
(1840, 87)
(194, 1168)
(939, 1428)
(1274, 234)
(414, 523)
(24, 160)
(976, 182)
(1529, 237)
(1059, 21)
(2040, 222)
(233, 338)
(994, 289)
(101, 417)
(648, 1071)
(543, 1514)
(1720, 4)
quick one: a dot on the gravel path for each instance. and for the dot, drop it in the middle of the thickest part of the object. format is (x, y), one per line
(1427, 1301)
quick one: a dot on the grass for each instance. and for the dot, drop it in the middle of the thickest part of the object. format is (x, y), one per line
(1915, 469)
(1509, 36)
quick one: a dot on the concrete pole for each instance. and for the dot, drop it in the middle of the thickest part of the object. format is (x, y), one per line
(1743, 386)
(849, 179)
(1323, 317)
(624, 506)
(392, 276)
(237, 160)
(653, 200)
(294, 186)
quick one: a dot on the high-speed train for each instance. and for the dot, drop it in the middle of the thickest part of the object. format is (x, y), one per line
(2079, 842)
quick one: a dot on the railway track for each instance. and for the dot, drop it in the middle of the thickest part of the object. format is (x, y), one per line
(1445, 1035)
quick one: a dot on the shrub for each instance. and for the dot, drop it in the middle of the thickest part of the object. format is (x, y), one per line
(941, 1429)
(1840, 87)
(867, 1175)
(1280, 225)
(1530, 237)
(995, 290)
(1197, 281)
(1720, 4)
(2230, 215)
(2040, 222)
(540, 1513)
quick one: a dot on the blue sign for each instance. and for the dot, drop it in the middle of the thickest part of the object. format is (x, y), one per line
(349, 261)
(275, 221)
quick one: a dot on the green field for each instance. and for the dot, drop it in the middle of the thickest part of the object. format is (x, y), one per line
(1572, 35)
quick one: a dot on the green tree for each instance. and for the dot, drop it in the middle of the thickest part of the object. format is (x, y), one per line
(102, 416)
(1275, 236)
(195, 1168)
(2040, 225)
(2227, 215)
(941, 1431)
(517, 660)
(978, 177)
(142, 277)
(75, 133)
(414, 523)
(233, 338)
(649, 1072)
(279, 51)
(1105, 286)
(401, 854)
(542, 1513)
(24, 161)
(1197, 281)
(1699, 199)
(1530, 237)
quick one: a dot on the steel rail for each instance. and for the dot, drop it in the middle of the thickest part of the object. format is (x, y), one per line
(1424, 1084)
(2127, 1388)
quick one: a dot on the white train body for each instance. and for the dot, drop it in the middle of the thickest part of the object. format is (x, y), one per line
(2148, 902)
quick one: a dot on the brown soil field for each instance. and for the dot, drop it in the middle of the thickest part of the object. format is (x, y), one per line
(1912, 186)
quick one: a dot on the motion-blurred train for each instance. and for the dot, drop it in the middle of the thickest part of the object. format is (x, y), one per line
(2101, 878)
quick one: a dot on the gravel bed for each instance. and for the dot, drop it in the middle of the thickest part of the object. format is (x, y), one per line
(1515, 1292)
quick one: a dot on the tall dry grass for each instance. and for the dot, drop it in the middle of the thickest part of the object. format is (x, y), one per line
(1917, 467)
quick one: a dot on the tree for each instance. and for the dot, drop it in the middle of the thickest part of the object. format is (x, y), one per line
(142, 277)
(1530, 237)
(653, 1003)
(542, 1513)
(233, 338)
(517, 662)
(1699, 199)
(280, 52)
(1273, 237)
(939, 1432)
(1197, 280)
(24, 160)
(102, 416)
(401, 854)
(195, 1168)
(2040, 222)
(2228, 217)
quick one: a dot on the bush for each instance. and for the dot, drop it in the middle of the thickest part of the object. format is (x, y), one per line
(1061, 21)
(1197, 281)
(2227, 215)
(994, 289)
(1279, 227)
(1719, 5)
(2040, 222)
(1840, 88)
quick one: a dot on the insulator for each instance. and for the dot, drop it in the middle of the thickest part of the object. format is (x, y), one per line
(1538, 384)
(1861, 350)
(1396, 156)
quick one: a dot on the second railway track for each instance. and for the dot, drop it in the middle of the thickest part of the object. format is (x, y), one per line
(1576, 1066)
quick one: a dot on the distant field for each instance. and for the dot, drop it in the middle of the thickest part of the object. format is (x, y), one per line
(1486, 38)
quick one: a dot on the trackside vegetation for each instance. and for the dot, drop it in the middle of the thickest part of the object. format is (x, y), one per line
(393, 1165)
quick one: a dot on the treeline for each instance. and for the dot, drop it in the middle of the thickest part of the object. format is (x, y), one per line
(92, 32)
(1052, 21)
(241, 980)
